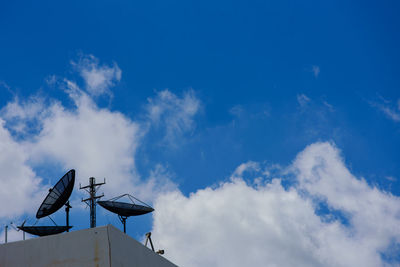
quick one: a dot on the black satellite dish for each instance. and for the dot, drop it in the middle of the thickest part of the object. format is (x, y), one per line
(125, 210)
(44, 230)
(56, 198)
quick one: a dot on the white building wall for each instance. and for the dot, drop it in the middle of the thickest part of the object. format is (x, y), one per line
(98, 247)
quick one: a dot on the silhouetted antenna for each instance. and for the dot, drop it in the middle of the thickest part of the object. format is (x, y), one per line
(148, 238)
(5, 233)
(92, 200)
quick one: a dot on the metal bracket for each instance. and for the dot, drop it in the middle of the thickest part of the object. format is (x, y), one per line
(148, 238)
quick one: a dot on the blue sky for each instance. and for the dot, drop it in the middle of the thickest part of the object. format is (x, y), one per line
(178, 97)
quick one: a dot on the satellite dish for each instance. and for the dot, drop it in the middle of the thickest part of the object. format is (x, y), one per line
(58, 195)
(56, 198)
(44, 230)
(125, 210)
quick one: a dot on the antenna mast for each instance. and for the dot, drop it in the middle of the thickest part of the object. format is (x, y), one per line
(92, 200)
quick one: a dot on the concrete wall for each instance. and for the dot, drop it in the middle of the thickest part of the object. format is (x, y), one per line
(98, 247)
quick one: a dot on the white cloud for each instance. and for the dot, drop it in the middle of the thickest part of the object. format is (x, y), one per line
(329, 106)
(158, 182)
(238, 224)
(20, 191)
(322, 173)
(237, 110)
(51, 80)
(391, 178)
(392, 114)
(18, 113)
(271, 170)
(94, 141)
(39, 132)
(316, 70)
(246, 167)
(172, 113)
(388, 108)
(98, 78)
(303, 100)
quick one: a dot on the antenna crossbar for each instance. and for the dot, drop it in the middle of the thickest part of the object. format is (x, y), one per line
(92, 200)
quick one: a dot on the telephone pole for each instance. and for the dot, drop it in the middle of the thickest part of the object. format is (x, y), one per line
(92, 200)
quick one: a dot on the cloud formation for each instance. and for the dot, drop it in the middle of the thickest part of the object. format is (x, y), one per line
(173, 114)
(267, 224)
(20, 187)
(22, 116)
(98, 78)
(316, 70)
(303, 100)
(96, 142)
(40, 132)
(392, 111)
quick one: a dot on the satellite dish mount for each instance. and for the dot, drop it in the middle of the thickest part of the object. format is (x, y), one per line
(67, 207)
(123, 220)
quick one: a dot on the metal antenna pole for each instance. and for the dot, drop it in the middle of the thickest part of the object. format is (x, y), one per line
(148, 238)
(23, 232)
(91, 201)
(67, 207)
(123, 220)
(5, 234)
